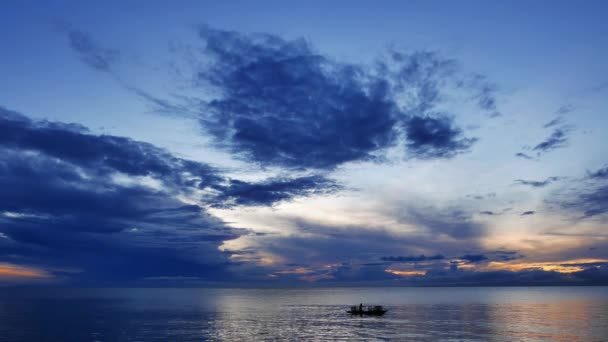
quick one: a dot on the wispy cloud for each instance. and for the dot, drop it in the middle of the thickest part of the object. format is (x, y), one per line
(556, 140)
(537, 184)
(524, 156)
(91, 53)
(557, 121)
(565, 109)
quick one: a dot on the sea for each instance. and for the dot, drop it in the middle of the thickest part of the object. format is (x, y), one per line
(304, 314)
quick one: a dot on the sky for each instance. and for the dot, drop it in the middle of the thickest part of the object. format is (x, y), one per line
(275, 143)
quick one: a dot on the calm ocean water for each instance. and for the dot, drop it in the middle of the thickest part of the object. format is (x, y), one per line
(416, 314)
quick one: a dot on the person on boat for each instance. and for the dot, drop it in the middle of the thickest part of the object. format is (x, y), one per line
(361, 307)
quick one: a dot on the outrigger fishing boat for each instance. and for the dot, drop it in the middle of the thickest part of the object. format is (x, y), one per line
(376, 310)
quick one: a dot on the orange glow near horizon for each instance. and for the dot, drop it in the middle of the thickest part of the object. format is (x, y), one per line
(406, 273)
(11, 272)
(298, 270)
(568, 266)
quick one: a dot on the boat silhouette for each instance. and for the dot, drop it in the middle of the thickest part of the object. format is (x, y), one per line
(376, 310)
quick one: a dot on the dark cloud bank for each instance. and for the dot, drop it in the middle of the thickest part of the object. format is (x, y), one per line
(63, 206)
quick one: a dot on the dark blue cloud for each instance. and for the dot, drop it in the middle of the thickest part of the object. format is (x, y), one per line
(592, 201)
(272, 191)
(106, 155)
(460, 277)
(435, 137)
(593, 275)
(537, 184)
(501, 255)
(527, 213)
(474, 258)
(557, 139)
(586, 198)
(57, 215)
(557, 121)
(61, 205)
(598, 174)
(489, 213)
(282, 103)
(409, 259)
(523, 155)
(103, 154)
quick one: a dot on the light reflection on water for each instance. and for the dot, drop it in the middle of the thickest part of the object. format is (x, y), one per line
(416, 314)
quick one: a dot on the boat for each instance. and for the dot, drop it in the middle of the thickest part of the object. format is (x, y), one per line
(376, 310)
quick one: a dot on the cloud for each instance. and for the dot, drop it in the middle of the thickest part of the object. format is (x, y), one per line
(527, 213)
(282, 103)
(537, 184)
(104, 59)
(474, 258)
(489, 213)
(593, 275)
(523, 155)
(91, 53)
(102, 155)
(66, 217)
(587, 197)
(557, 139)
(554, 122)
(591, 201)
(565, 109)
(64, 207)
(455, 223)
(272, 191)
(485, 94)
(598, 174)
(112, 207)
(481, 197)
(435, 137)
(107, 156)
(502, 255)
(408, 259)
(347, 252)
(278, 102)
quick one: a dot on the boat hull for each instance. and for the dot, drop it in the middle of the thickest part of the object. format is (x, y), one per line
(367, 313)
